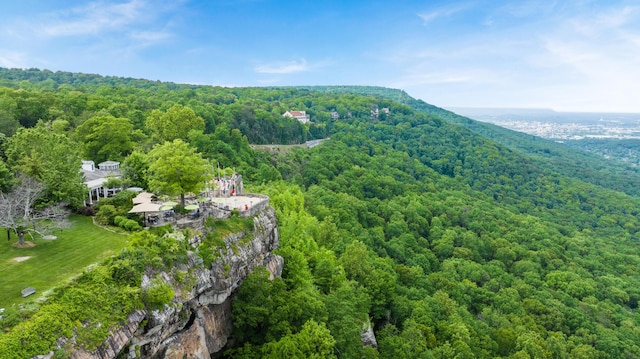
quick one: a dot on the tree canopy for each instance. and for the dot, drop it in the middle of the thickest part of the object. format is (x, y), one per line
(446, 237)
(175, 123)
(175, 168)
(107, 138)
(51, 158)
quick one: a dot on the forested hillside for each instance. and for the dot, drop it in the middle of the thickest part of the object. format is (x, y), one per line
(624, 150)
(449, 243)
(587, 165)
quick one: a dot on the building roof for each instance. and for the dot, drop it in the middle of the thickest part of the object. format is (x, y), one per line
(98, 173)
(108, 163)
(96, 183)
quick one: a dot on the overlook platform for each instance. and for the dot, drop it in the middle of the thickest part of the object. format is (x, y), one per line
(218, 207)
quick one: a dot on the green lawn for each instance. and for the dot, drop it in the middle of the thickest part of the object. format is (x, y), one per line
(53, 262)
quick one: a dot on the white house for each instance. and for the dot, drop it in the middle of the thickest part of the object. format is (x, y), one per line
(298, 115)
(95, 178)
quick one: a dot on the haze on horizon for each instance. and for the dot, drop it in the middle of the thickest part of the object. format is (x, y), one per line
(570, 55)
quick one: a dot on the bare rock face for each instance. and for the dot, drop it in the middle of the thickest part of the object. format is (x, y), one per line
(198, 321)
(367, 336)
(202, 324)
(208, 334)
(116, 341)
(192, 343)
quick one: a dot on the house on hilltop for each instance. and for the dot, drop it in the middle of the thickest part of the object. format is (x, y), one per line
(375, 111)
(95, 178)
(298, 115)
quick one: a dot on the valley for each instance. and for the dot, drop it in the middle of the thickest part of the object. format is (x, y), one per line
(425, 232)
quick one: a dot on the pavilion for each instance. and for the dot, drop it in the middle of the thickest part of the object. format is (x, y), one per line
(95, 178)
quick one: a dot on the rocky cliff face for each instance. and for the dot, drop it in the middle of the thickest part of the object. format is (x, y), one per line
(198, 321)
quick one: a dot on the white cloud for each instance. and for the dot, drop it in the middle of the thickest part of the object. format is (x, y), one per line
(268, 82)
(416, 78)
(120, 30)
(618, 17)
(527, 9)
(12, 59)
(94, 18)
(598, 55)
(138, 20)
(603, 23)
(284, 67)
(567, 55)
(150, 36)
(441, 12)
(633, 38)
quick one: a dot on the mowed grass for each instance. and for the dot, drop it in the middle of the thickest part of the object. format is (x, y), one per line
(53, 262)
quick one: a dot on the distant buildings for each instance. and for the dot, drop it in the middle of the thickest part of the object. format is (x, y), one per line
(303, 117)
(375, 112)
(298, 115)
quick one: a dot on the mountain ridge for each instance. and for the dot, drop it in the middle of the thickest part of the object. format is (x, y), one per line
(449, 242)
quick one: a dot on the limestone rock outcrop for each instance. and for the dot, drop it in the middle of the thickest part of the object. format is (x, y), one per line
(367, 336)
(198, 321)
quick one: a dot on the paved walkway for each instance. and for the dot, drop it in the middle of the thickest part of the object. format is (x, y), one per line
(237, 202)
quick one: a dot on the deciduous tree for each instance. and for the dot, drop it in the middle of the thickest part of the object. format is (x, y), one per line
(6, 177)
(135, 168)
(107, 138)
(19, 214)
(176, 168)
(174, 124)
(52, 159)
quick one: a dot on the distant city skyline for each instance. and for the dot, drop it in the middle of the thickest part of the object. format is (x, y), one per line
(560, 125)
(569, 55)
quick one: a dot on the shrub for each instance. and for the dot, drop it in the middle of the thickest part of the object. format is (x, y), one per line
(113, 182)
(206, 253)
(158, 294)
(131, 225)
(180, 210)
(96, 301)
(121, 199)
(119, 220)
(161, 230)
(86, 211)
(105, 214)
(125, 272)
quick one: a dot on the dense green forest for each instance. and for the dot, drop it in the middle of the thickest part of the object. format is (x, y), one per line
(587, 165)
(454, 239)
(624, 150)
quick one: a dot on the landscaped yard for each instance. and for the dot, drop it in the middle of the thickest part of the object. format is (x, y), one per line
(53, 262)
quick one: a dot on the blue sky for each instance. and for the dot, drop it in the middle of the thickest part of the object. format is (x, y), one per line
(565, 55)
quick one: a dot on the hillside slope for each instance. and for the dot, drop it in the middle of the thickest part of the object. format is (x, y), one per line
(566, 160)
(447, 243)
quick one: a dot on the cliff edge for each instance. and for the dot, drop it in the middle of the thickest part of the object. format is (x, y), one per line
(197, 322)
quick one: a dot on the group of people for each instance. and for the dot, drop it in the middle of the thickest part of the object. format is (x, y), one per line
(229, 186)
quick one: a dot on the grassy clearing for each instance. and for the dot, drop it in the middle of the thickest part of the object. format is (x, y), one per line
(235, 224)
(53, 262)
